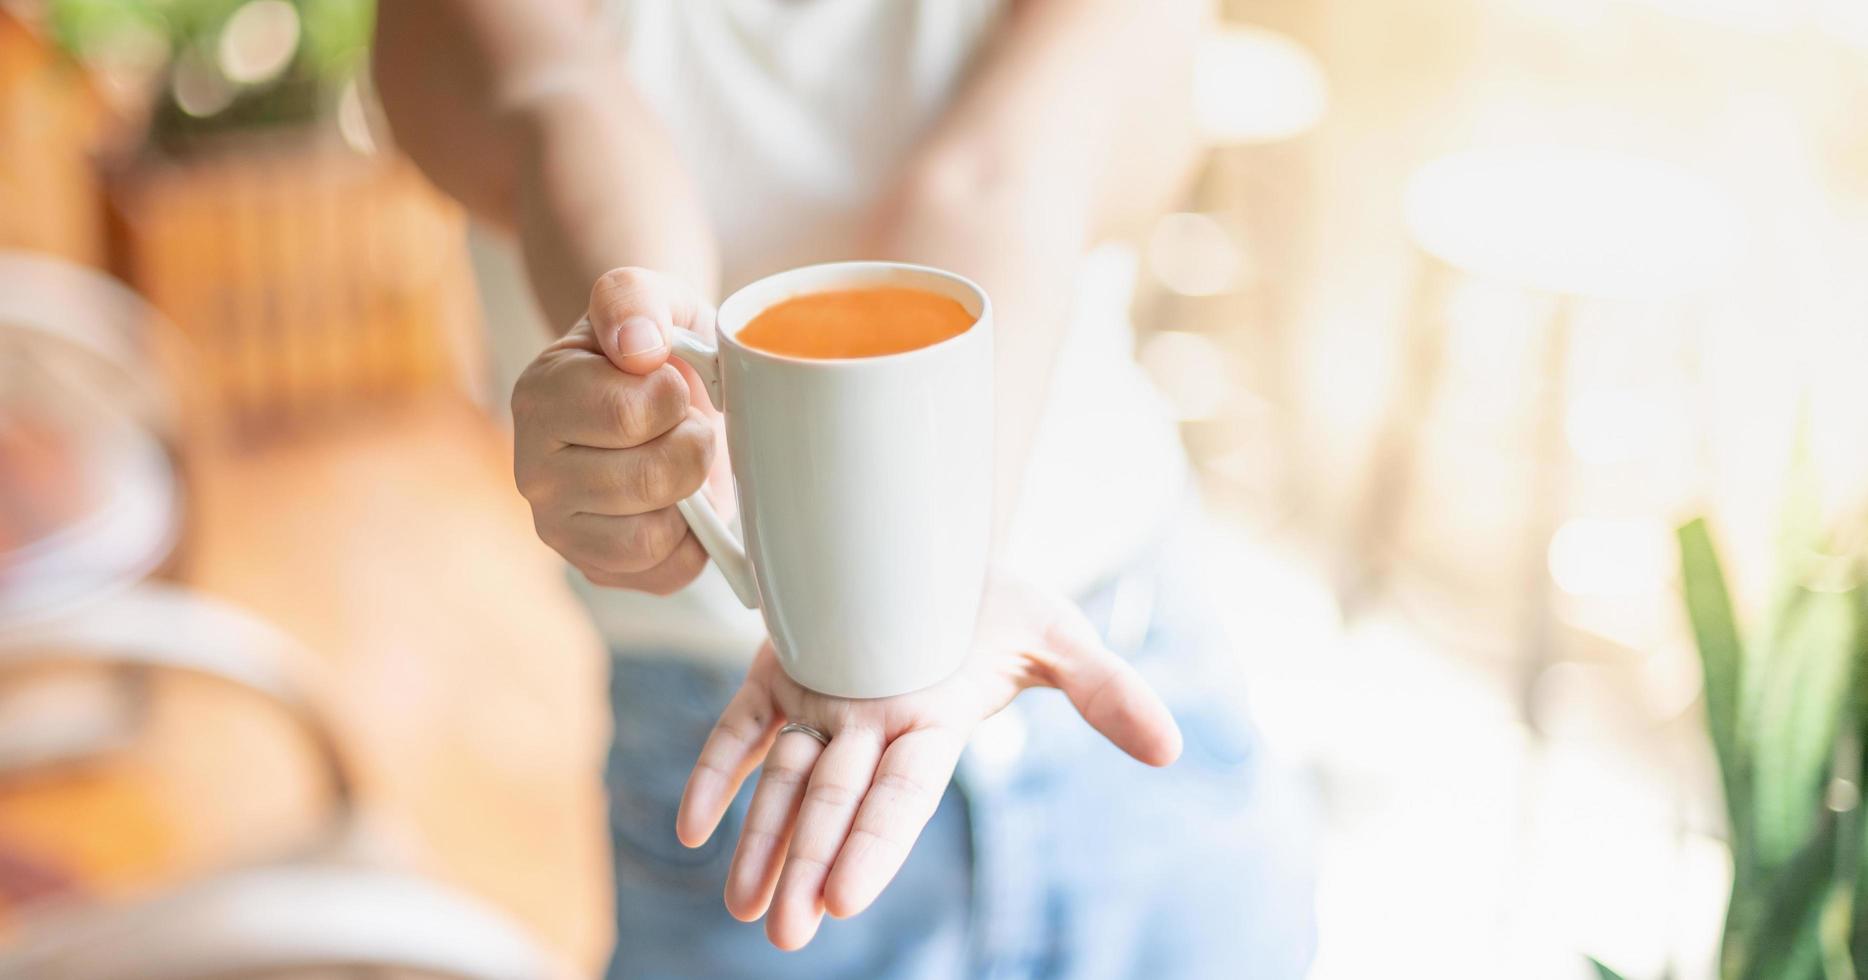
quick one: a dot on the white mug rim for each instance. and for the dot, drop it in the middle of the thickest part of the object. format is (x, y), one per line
(729, 338)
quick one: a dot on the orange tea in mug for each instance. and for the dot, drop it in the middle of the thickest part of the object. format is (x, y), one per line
(850, 323)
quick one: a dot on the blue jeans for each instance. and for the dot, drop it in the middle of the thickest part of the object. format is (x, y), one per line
(1052, 855)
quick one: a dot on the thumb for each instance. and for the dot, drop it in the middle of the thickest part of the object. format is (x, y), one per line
(1109, 692)
(637, 344)
(633, 311)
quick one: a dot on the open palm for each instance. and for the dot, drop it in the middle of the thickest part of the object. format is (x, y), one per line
(830, 824)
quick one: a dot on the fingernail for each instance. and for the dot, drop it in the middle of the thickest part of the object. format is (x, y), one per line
(638, 335)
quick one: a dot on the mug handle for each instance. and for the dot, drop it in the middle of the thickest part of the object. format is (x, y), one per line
(722, 546)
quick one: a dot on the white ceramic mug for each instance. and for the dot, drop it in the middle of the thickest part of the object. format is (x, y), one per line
(865, 487)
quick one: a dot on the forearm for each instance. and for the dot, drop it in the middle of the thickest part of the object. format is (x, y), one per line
(520, 113)
(599, 186)
(1076, 120)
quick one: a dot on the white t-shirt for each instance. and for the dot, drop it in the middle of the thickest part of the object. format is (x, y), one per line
(790, 116)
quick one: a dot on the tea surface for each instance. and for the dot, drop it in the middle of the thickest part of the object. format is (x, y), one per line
(850, 323)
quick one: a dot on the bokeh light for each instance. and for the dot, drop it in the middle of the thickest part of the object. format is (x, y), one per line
(353, 119)
(199, 87)
(1255, 86)
(258, 41)
(1572, 220)
(1604, 557)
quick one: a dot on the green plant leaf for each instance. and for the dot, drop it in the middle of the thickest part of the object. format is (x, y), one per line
(1858, 937)
(1837, 925)
(84, 26)
(1603, 972)
(1784, 943)
(1805, 680)
(1715, 631)
(337, 33)
(1800, 518)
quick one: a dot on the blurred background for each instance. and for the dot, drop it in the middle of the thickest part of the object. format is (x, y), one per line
(1472, 304)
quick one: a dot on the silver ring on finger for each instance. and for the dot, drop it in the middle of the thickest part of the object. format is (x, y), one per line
(794, 726)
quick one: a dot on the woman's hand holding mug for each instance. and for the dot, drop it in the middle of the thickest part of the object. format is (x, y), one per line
(609, 435)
